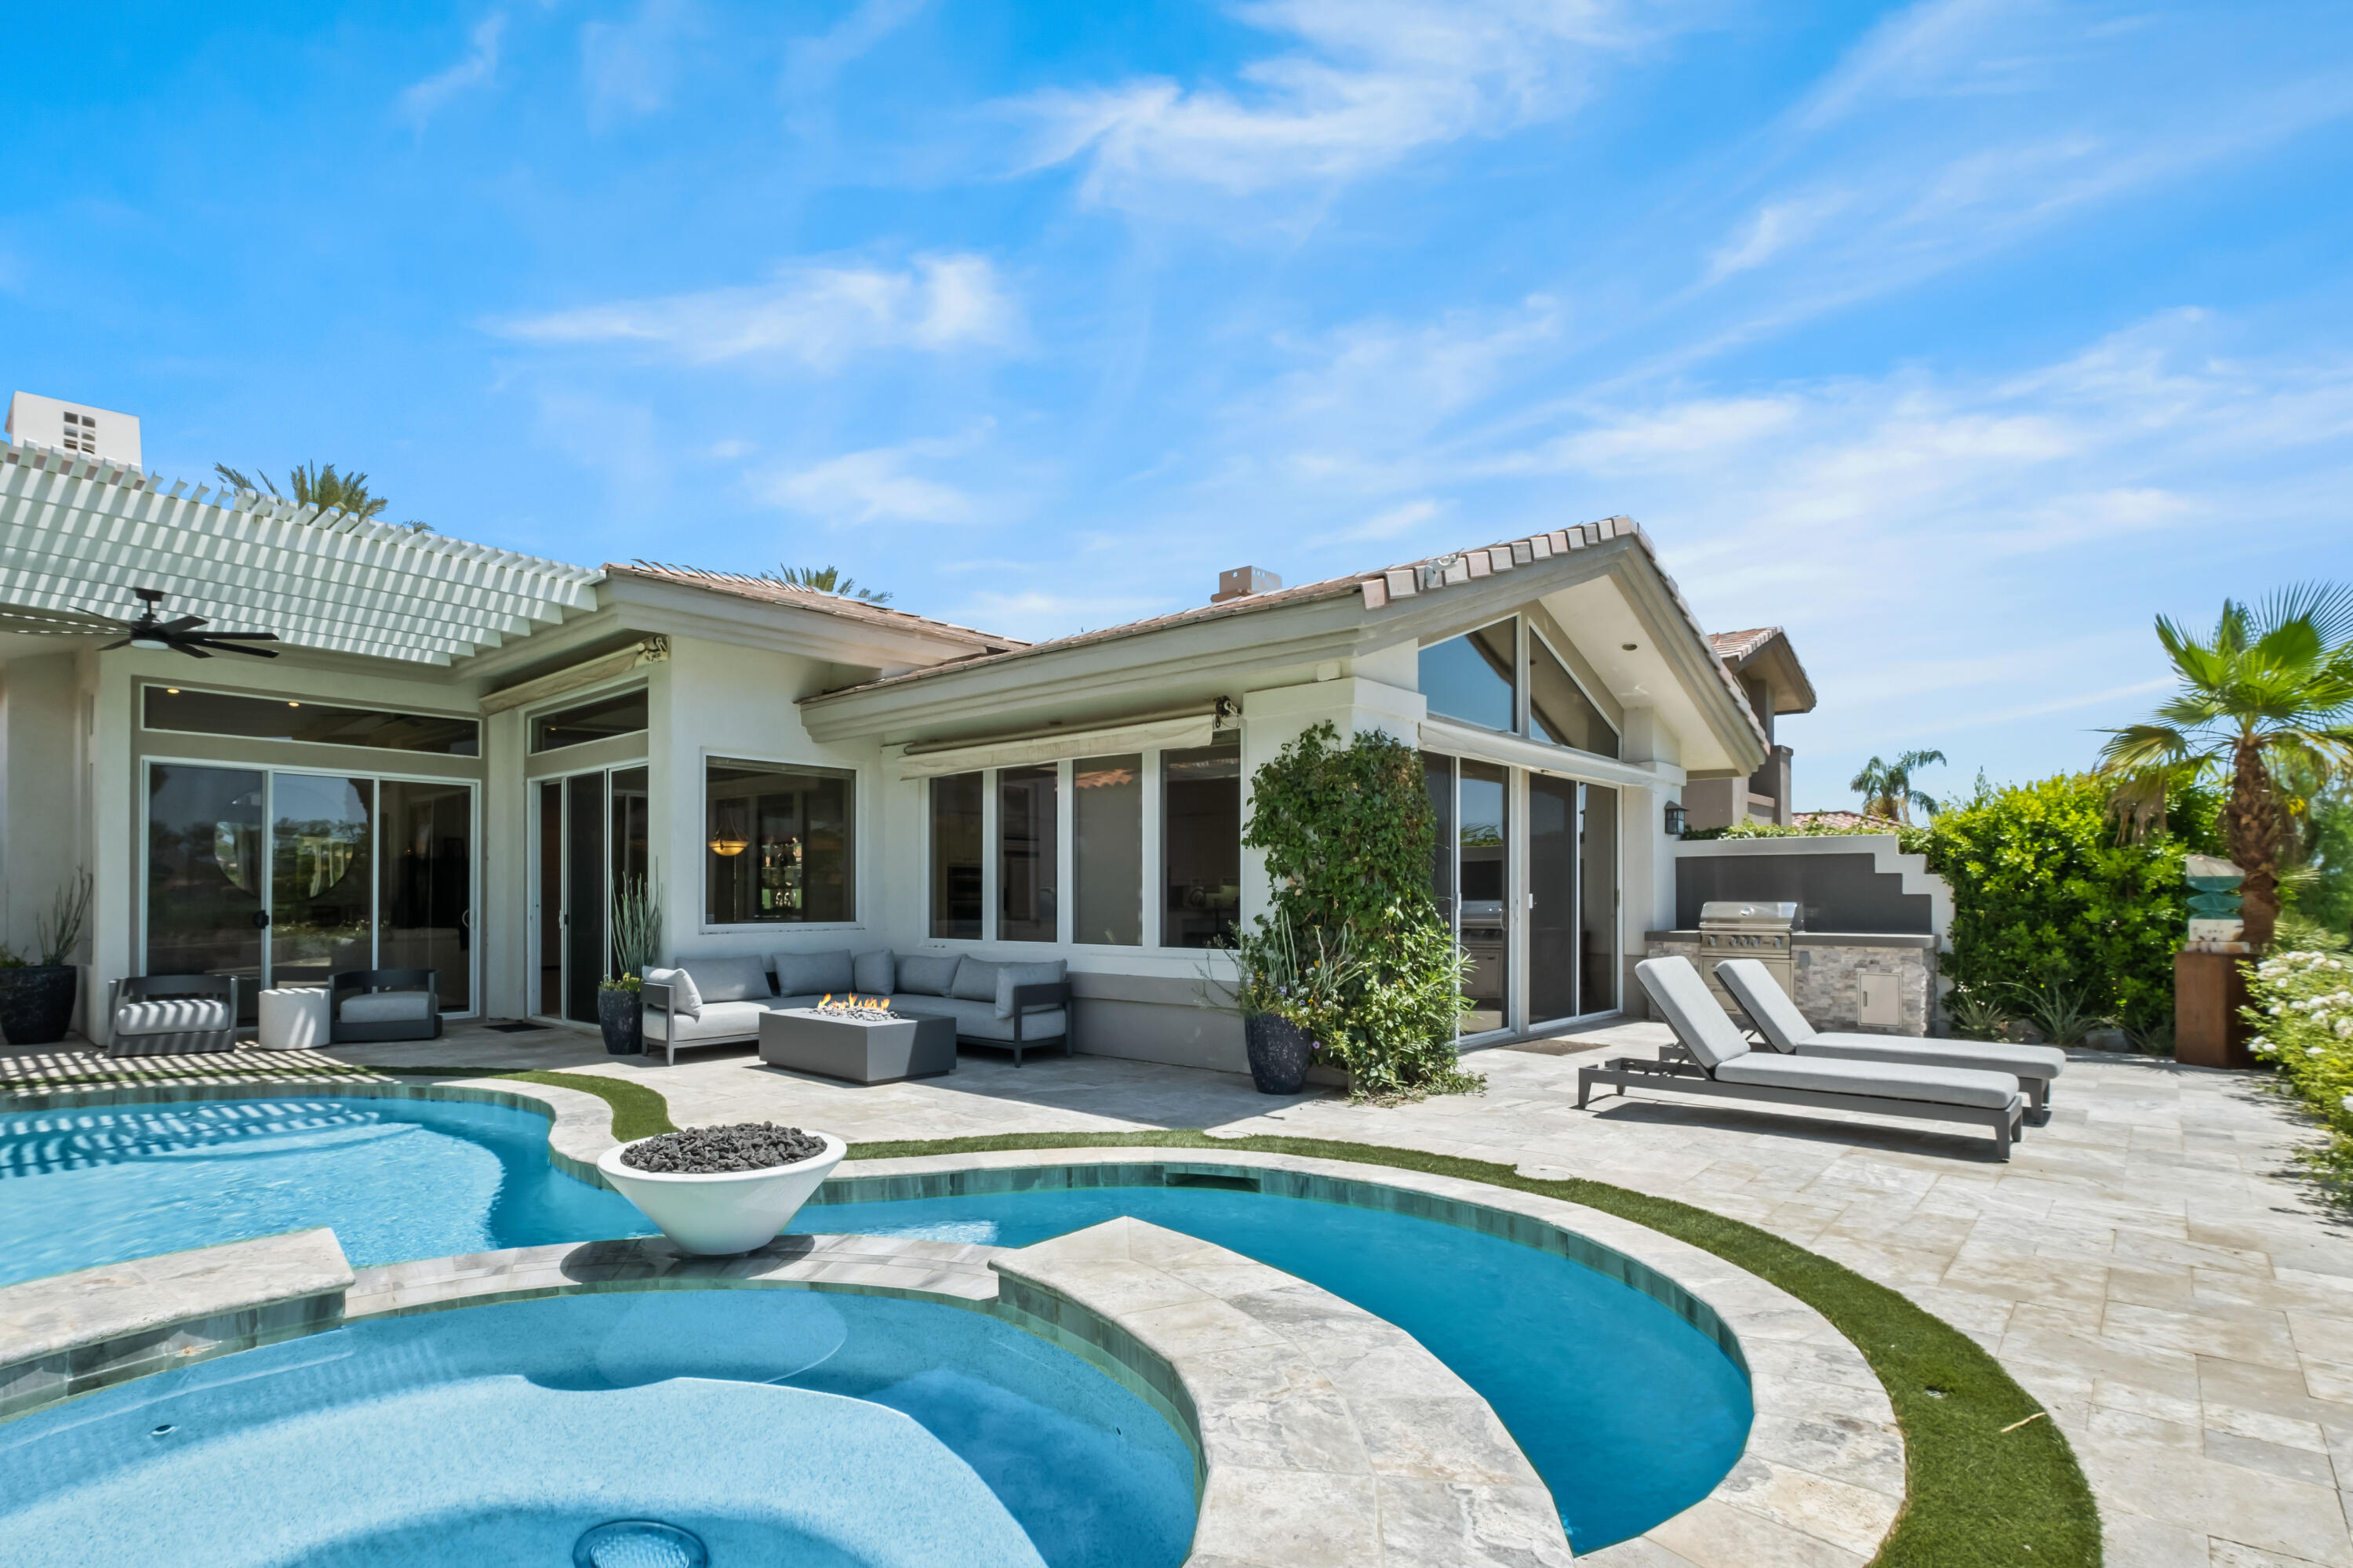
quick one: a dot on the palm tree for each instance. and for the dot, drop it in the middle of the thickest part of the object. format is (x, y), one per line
(826, 579)
(2270, 692)
(1886, 787)
(319, 485)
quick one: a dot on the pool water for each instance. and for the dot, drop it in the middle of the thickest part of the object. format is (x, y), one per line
(396, 1179)
(785, 1428)
(1628, 1413)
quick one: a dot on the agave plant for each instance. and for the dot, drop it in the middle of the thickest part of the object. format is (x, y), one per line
(637, 927)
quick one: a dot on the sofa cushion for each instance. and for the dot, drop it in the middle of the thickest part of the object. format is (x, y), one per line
(797, 974)
(730, 976)
(171, 1016)
(1035, 1026)
(1889, 1080)
(1010, 975)
(975, 980)
(386, 1007)
(685, 1000)
(927, 974)
(719, 1020)
(874, 974)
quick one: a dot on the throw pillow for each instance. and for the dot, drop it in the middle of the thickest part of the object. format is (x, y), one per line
(685, 1001)
(733, 977)
(975, 980)
(924, 974)
(874, 974)
(1010, 975)
(812, 974)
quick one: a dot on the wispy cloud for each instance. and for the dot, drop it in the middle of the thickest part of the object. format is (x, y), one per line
(818, 316)
(1364, 83)
(421, 100)
(881, 485)
(630, 68)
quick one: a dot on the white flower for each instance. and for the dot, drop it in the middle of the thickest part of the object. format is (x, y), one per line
(2312, 1050)
(2278, 1010)
(2345, 1028)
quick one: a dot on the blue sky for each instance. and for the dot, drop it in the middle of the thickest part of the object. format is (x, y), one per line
(1960, 338)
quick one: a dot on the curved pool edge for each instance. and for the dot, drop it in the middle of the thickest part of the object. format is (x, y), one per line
(1821, 1475)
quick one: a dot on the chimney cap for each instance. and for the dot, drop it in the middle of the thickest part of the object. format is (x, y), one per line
(1243, 582)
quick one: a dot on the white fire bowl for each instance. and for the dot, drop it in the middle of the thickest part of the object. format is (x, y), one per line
(727, 1212)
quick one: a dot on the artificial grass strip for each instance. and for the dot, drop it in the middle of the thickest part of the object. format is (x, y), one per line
(1985, 1485)
(637, 1111)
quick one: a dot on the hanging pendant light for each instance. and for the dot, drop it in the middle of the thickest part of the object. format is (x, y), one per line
(729, 842)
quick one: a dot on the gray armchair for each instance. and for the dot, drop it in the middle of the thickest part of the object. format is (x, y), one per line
(384, 1004)
(165, 1015)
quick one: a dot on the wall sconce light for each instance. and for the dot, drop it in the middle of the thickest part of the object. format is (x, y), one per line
(729, 842)
(1676, 818)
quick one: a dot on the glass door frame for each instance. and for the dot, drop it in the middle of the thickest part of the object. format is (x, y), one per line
(536, 929)
(269, 770)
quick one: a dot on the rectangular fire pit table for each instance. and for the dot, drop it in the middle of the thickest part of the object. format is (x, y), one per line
(882, 1050)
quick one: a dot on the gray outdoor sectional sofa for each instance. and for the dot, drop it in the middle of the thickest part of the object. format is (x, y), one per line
(718, 1001)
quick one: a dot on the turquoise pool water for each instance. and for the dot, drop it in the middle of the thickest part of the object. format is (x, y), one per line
(1628, 1413)
(784, 1428)
(396, 1179)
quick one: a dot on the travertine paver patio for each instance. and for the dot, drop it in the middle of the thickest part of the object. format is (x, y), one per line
(2145, 1265)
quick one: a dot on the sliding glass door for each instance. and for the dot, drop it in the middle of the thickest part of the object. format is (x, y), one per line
(283, 878)
(591, 838)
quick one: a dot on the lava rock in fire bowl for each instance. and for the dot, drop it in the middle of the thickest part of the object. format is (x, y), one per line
(711, 1150)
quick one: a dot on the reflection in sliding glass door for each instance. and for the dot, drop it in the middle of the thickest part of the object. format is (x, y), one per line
(1482, 877)
(321, 886)
(424, 919)
(1552, 898)
(207, 891)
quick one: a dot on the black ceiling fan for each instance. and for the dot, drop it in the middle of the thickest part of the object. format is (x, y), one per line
(179, 635)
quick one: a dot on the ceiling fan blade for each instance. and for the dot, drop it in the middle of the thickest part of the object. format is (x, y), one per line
(110, 647)
(191, 649)
(182, 623)
(239, 637)
(229, 648)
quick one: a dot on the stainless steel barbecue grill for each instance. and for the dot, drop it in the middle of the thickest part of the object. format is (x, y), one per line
(1734, 929)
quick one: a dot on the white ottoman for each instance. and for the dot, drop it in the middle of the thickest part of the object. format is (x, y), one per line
(295, 1019)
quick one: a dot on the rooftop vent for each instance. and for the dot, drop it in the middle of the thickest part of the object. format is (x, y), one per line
(74, 428)
(1243, 582)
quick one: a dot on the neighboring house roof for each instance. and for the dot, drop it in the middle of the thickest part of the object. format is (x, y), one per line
(1766, 648)
(1733, 646)
(77, 534)
(843, 605)
(1823, 822)
(1378, 590)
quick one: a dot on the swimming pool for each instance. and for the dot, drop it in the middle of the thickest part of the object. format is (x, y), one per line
(783, 1428)
(1628, 1413)
(396, 1179)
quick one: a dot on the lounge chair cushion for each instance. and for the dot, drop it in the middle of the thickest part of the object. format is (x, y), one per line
(171, 1016)
(685, 1001)
(717, 1020)
(1692, 1011)
(1888, 1080)
(1010, 975)
(1990, 1055)
(1766, 1004)
(928, 974)
(386, 1007)
(731, 977)
(798, 974)
(872, 974)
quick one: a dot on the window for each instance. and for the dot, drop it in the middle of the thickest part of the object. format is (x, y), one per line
(956, 848)
(1029, 847)
(779, 846)
(621, 713)
(1558, 709)
(281, 718)
(1481, 873)
(1107, 817)
(1201, 802)
(1470, 678)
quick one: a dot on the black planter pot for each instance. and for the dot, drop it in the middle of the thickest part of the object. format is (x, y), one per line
(621, 1014)
(1279, 1053)
(37, 1003)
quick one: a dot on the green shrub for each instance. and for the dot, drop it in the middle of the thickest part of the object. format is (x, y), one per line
(1348, 833)
(2303, 1004)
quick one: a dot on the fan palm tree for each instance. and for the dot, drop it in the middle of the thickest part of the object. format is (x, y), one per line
(1886, 787)
(2271, 692)
(826, 579)
(319, 485)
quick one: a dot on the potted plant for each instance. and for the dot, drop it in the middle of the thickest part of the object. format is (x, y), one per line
(1291, 989)
(37, 1000)
(718, 1191)
(637, 924)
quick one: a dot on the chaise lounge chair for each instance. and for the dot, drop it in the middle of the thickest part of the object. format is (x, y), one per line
(1786, 1030)
(1723, 1066)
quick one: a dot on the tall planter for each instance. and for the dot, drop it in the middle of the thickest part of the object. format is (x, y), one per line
(1279, 1053)
(621, 1014)
(37, 1003)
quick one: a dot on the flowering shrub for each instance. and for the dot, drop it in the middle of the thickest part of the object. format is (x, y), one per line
(2302, 1003)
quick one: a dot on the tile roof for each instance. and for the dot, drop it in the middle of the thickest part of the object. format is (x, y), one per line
(773, 592)
(1733, 646)
(1821, 822)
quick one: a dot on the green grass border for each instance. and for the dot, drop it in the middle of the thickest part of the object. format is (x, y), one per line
(1983, 1490)
(637, 1111)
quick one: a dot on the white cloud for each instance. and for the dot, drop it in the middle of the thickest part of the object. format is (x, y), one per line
(877, 486)
(820, 316)
(1387, 524)
(422, 99)
(812, 63)
(630, 68)
(1775, 226)
(1037, 614)
(1365, 83)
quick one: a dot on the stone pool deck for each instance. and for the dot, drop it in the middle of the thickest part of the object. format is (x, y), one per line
(2146, 1264)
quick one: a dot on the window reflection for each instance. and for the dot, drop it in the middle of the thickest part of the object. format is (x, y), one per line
(1107, 816)
(1470, 678)
(1201, 800)
(1558, 709)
